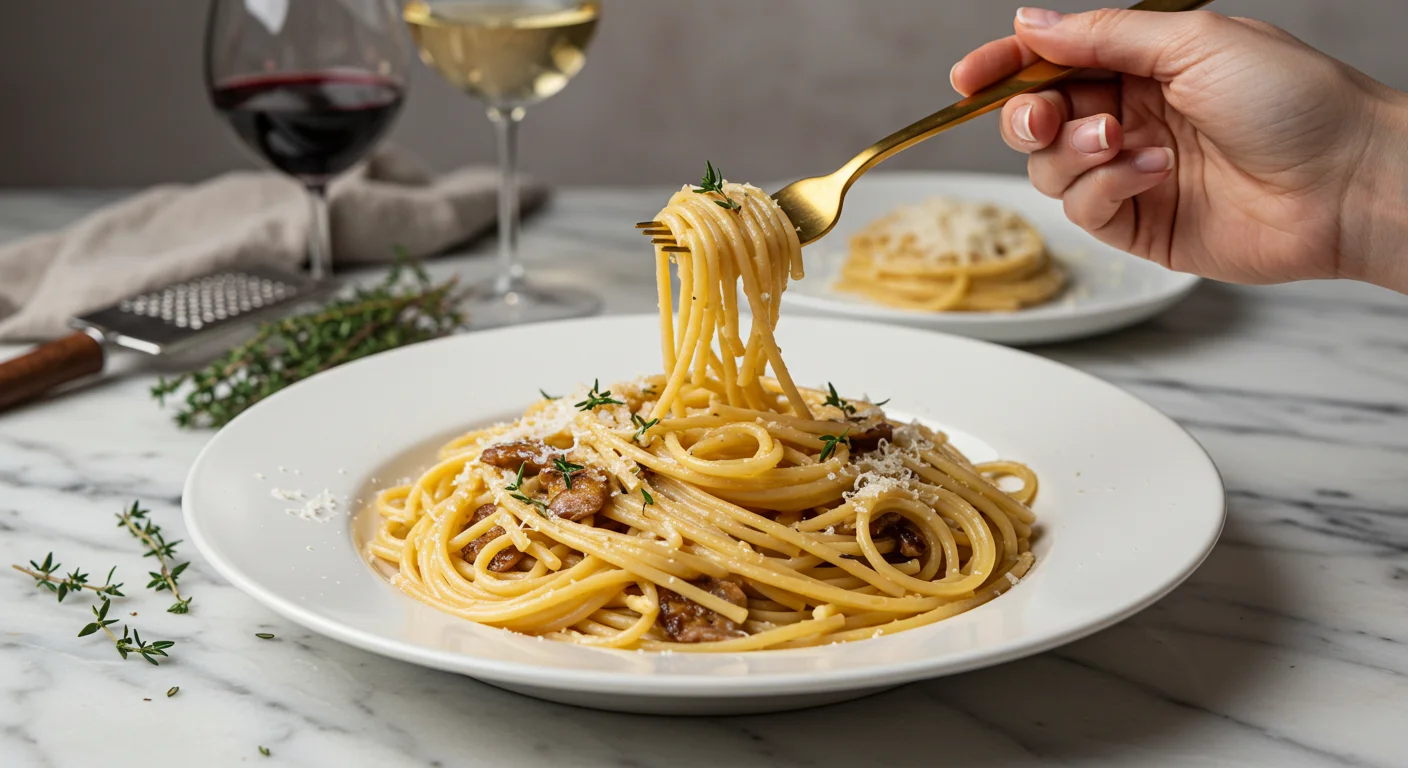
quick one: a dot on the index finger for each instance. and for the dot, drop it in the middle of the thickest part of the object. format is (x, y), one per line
(998, 59)
(989, 63)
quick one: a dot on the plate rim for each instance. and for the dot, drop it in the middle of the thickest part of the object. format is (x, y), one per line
(686, 684)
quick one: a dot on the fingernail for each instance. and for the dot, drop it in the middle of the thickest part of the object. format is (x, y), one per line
(953, 69)
(1038, 18)
(1022, 123)
(1153, 160)
(1092, 137)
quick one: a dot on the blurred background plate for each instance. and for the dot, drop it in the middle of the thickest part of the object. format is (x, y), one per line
(1109, 289)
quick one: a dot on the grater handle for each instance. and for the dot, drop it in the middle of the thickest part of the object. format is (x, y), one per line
(58, 362)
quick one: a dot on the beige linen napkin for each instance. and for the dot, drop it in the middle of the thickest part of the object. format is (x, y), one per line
(172, 233)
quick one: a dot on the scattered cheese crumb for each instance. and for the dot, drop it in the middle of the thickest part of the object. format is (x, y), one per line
(320, 508)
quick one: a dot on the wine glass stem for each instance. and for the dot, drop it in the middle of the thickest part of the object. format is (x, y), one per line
(510, 273)
(319, 239)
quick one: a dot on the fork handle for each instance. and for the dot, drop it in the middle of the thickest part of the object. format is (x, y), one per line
(40, 370)
(1036, 77)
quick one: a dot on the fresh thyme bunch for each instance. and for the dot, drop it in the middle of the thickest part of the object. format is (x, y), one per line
(404, 309)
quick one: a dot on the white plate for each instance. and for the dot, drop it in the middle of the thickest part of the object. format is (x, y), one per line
(1129, 505)
(1109, 289)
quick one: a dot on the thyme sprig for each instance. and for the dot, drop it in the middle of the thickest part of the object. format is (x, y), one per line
(137, 523)
(131, 640)
(836, 400)
(540, 506)
(517, 479)
(149, 533)
(75, 581)
(713, 181)
(831, 441)
(514, 492)
(561, 464)
(596, 398)
(642, 426)
(403, 309)
(646, 499)
(546, 396)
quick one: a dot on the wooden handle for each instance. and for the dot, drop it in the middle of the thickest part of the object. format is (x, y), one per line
(31, 375)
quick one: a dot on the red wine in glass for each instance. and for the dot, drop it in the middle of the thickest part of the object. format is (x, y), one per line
(309, 125)
(309, 85)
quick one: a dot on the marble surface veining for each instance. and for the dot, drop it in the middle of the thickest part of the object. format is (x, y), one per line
(1288, 647)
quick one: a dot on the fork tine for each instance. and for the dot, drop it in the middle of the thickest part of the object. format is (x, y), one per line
(649, 224)
(675, 249)
(664, 241)
(656, 232)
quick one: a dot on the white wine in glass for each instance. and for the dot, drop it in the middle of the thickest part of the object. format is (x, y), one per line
(510, 55)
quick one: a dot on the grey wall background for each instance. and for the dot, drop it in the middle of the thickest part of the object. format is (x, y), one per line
(109, 92)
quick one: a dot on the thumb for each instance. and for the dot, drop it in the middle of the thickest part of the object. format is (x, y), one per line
(1140, 43)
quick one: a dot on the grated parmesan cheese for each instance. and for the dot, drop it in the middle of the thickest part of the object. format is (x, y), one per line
(320, 508)
(884, 468)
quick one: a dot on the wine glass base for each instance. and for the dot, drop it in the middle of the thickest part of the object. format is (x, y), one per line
(524, 303)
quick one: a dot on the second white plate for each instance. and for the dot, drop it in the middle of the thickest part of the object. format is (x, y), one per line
(1109, 289)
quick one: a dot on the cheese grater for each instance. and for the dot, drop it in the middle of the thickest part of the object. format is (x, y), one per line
(157, 322)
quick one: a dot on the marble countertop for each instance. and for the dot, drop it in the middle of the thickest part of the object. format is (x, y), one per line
(1289, 647)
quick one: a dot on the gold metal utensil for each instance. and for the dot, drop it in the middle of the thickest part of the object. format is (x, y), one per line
(813, 205)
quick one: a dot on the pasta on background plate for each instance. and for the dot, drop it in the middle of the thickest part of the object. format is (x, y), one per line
(945, 255)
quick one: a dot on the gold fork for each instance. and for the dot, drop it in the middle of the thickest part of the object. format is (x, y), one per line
(813, 205)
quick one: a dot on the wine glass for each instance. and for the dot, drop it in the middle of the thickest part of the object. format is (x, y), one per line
(510, 54)
(309, 85)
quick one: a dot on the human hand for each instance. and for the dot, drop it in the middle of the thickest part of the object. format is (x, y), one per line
(1218, 146)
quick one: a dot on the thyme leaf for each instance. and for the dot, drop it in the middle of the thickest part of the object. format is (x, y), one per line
(642, 426)
(838, 401)
(713, 183)
(561, 464)
(597, 398)
(831, 441)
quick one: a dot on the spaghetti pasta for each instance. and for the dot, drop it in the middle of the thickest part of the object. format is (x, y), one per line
(710, 507)
(946, 255)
